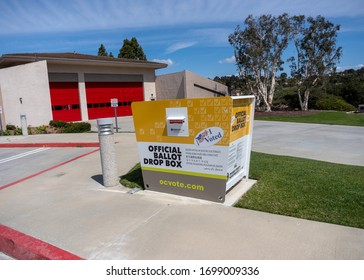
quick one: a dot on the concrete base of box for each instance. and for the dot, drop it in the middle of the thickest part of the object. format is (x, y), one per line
(238, 191)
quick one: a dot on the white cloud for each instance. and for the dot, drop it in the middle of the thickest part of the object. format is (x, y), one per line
(81, 15)
(179, 46)
(166, 61)
(212, 36)
(355, 67)
(228, 60)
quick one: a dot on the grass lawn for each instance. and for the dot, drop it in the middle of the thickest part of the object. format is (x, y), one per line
(308, 189)
(134, 178)
(338, 118)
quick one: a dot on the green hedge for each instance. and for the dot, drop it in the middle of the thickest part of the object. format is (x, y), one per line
(10, 127)
(331, 102)
(77, 127)
(57, 124)
(70, 127)
(318, 100)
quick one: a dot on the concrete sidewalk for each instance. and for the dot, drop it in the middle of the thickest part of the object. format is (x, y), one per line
(125, 125)
(332, 143)
(74, 212)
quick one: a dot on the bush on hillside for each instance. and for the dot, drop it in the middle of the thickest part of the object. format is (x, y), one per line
(333, 103)
(318, 101)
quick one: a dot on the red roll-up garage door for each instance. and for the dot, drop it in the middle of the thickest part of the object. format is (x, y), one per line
(65, 101)
(99, 95)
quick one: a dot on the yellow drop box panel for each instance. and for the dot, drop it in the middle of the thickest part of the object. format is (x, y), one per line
(196, 147)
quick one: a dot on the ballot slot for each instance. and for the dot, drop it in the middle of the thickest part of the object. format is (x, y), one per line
(177, 121)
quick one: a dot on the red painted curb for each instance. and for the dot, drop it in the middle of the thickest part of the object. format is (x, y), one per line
(51, 145)
(24, 247)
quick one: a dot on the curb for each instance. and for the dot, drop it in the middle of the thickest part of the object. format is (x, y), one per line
(51, 145)
(24, 247)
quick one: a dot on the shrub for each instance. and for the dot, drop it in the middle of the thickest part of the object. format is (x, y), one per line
(77, 127)
(5, 133)
(18, 131)
(292, 100)
(69, 127)
(57, 124)
(41, 129)
(10, 127)
(285, 96)
(335, 103)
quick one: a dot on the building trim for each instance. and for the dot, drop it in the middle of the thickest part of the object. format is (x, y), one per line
(63, 77)
(94, 77)
(8, 60)
(210, 90)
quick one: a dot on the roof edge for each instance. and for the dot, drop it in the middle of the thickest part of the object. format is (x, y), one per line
(8, 60)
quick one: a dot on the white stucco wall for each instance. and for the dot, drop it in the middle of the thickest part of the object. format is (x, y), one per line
(82, 94)
(30, 83)
(2, 124)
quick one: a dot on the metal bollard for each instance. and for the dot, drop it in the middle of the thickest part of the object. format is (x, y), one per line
(23, 121)
(107, 152)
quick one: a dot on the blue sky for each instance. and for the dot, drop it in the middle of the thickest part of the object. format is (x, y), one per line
(187, 34)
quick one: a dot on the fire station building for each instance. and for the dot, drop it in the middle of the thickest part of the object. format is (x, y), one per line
(77, 87)
(71, 86)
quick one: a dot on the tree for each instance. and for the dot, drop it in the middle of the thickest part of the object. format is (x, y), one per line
(111, 55)
(258, 49)
(284, 75)
(234, 83)
(102, 51)
(132, 50)
(349, 85)
(317, 54)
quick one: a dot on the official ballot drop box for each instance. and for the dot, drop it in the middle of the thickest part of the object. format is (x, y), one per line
(196, 147)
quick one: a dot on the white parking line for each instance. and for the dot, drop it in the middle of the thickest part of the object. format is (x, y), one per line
(23, 155)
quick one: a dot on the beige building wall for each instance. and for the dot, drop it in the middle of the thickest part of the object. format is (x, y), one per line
(170, 86)
(198, 86)
(186, 84)
(25, 90)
